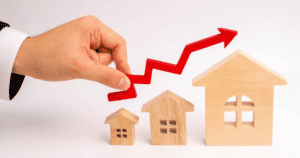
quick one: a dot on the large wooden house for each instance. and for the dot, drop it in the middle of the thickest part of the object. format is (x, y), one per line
(236, 76)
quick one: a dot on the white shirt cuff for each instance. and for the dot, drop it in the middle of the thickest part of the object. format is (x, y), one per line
(10, 43)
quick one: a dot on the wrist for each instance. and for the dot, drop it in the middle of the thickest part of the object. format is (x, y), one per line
(19, 67)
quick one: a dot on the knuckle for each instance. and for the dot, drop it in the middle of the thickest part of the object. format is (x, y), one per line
(90, 17)
(90, 23)
(122, 41)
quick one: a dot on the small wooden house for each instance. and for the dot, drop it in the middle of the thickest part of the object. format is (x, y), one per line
(236, 76)
(122, 127)
(167, 118)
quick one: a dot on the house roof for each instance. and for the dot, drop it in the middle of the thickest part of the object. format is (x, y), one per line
(130, 116)
(240, 68)
(188, 105)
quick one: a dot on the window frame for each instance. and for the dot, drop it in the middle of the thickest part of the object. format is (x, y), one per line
(239, 106)
(120, 132)
(166, 125)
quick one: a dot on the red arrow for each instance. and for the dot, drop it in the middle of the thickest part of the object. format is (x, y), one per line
(225, 36)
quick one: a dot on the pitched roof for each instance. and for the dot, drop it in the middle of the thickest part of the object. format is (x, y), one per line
(170, 94)
(130, 116)
(233, 65)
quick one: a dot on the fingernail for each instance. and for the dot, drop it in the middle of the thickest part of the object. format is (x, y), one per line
(122, 84)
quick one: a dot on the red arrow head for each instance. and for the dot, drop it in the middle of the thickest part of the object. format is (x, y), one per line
(227, 35)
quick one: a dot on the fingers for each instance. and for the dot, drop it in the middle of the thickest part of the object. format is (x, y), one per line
(103, 36)
(120, 58)
(105, 75)
(115, 42)
(110, 46)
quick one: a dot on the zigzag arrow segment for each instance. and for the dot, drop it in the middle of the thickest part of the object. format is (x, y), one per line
(225, 36)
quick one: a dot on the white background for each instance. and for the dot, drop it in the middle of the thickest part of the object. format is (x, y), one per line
(66, 119)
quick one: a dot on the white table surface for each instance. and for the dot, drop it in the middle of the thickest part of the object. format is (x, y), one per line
(66, 119)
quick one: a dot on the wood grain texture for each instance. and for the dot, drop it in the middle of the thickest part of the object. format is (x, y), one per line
(237, 75)
(167, 118)
(122, 127)
(239, 70)
(220, 133)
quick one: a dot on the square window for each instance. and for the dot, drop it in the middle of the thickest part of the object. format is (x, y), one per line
(247, 116)
(172, 122)
(124, 136)
(173, 130)
(119, 135)
(163, 131)
(124, 130)
(230, 116)
(163, 122)
(118, 130)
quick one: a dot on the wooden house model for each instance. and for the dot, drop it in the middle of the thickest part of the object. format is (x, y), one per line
(236, 76)
(122, 127)
(167, 118)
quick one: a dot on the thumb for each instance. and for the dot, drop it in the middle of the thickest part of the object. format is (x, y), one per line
(106, 75)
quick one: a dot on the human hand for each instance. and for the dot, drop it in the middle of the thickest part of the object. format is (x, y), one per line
(80, 49)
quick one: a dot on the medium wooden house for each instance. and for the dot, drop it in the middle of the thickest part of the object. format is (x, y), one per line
(236, 76)
(167, 118)
(122, 127)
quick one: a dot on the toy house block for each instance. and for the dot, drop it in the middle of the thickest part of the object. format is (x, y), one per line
(236, 76)
(122, 127)
(167, 118)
